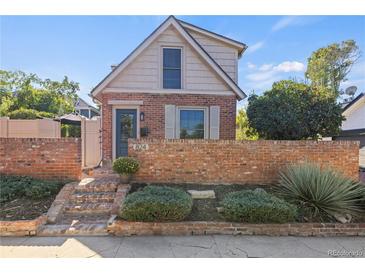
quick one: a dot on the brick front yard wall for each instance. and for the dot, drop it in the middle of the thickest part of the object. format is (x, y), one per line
(257, 162)
(44, 158)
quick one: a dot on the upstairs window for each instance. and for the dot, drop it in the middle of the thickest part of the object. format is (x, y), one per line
(171, 68)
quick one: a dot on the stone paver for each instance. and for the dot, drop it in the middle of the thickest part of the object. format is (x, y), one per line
(178, 246)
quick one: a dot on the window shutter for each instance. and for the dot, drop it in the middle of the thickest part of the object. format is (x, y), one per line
(214, 122)
(170, 121)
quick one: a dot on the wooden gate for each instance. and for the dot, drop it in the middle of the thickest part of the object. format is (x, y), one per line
(91, 142)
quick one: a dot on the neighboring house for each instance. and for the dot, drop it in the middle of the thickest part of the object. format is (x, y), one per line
(84, 109)
(180, 82)
(353, 128)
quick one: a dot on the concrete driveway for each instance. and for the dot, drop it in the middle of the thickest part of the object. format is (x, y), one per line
(182, 247)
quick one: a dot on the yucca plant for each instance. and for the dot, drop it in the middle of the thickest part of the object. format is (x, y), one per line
(321, 192)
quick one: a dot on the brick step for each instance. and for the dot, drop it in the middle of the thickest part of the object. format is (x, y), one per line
(88, 208)
(92, 197)
(97, 187)
(82, 229)
(72, 218)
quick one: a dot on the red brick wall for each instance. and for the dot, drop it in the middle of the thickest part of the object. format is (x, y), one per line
(258, 162)
(124, 228)
(154, 110)
(44, 158)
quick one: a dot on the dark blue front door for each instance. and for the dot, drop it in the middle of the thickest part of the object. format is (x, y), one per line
(126, 127)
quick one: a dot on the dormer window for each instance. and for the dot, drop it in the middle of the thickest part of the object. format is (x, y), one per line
(171, 68)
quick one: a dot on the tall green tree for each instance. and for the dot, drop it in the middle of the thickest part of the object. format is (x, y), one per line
(21, 92)
(329, 66)
(294, 111)
(243, 129)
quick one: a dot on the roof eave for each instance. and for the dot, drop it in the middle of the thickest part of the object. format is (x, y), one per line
(177, 24)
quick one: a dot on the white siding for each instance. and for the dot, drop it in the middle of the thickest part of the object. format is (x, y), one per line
(145, 71)
(355, 119)
(225, 55)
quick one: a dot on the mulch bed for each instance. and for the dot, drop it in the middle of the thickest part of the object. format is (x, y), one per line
(206, 209)
(24, 208)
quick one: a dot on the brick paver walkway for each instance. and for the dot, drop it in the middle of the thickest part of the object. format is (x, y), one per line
(84, 208)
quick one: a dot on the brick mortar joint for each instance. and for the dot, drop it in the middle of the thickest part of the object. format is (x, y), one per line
(209, 141)
(120, 227)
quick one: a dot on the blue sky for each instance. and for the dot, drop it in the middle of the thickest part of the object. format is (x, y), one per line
(84, 47)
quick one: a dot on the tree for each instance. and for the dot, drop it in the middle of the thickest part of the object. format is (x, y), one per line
(329, 66)
(294, 111)
(243, 129)
(25, 94)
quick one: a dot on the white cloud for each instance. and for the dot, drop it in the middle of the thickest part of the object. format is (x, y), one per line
(251, 65)
(262, 77)
(288, 21)
(290, 66)
(255, 47)
(265, 67)
(284, 22)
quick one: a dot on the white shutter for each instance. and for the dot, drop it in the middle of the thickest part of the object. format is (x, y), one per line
(214, 122)
(169, 122)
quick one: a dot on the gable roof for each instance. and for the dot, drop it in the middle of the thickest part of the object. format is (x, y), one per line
(171, 20)
(86, 105)
(237, 44)
(353, 102)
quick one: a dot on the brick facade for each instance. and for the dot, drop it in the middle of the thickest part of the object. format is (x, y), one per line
(44, 158)
(223, 161)
(154, 111)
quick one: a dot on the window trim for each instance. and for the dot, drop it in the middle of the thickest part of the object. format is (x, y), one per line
(206, 119)
(181, 48)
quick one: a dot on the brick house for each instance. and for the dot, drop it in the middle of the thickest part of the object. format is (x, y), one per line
(180, 82)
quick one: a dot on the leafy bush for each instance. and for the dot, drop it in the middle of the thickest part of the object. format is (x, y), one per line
(42, 189)
(257, 206)
(70, 130)
(294, 111)
(321, 192)
(125, 165)
(157, 204)
(13, 187)
(23, 113)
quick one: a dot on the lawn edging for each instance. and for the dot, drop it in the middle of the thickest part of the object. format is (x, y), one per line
(22, 227)
(125, 228)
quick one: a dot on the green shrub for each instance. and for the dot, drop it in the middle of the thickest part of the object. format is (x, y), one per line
(42, 189)
(125, 165)
(23, 113)
(257, 206)
(321, 193)
(13, 187)
(70, 130)
(157, 204)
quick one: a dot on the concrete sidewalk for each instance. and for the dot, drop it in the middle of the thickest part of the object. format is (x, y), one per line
(181, 247)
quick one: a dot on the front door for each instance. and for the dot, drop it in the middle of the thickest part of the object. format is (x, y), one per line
(126, 127)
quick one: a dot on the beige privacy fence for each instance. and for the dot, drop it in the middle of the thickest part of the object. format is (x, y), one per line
(39, 128)
(47, 128)
(91, 142)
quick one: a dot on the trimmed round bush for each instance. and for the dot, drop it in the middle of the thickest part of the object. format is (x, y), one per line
(125, 165)
(257, 206)
(157, 204)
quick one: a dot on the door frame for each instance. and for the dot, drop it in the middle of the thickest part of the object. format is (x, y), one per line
(114, 121)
